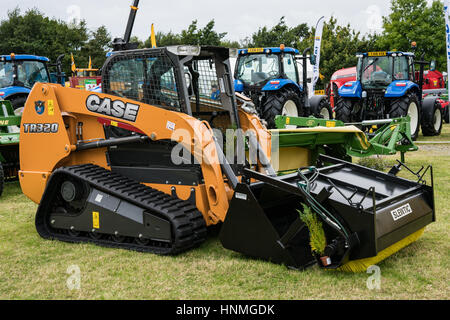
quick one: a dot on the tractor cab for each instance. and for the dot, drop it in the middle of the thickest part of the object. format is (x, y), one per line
(22, 71)
(271, 78)
(19, 73)
(265, 68)
(379, 70)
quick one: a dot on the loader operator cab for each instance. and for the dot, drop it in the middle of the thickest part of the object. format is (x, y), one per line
(189, 79)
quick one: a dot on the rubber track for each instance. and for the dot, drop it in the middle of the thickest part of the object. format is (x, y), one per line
(188, 225)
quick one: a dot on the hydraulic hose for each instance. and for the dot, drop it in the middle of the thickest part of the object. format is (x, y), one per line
(305, 188)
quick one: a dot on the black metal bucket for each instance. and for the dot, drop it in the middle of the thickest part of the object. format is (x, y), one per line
(263, 222)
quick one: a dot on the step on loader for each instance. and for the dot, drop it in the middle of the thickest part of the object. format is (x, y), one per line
(142, 166)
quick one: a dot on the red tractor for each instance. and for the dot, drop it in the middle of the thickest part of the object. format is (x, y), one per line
(433, 79)
(435, 83)
(338, 79)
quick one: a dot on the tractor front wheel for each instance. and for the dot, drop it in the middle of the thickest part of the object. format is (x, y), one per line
(407, 106)
(2, 179)
(432, 118)
(18, 104)
(322, 110)
(447, 114)
(285, 102)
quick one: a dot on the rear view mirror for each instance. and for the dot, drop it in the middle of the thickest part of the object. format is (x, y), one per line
(433, 65)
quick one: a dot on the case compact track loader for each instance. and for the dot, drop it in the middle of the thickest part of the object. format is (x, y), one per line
(143, 166)
(106, 171)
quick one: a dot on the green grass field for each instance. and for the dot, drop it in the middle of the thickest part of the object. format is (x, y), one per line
(33, 268)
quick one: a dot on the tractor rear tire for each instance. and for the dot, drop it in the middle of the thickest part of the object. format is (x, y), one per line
(18, 104)
(285, 102)
(2, 179)
(407, 105)
(322, 110)
(432, 119)
(447, 114)
(344, 110)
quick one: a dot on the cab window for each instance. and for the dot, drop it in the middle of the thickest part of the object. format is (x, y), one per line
(290, 67)
(30, 72)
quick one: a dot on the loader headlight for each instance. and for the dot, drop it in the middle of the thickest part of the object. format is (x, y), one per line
(185, 50)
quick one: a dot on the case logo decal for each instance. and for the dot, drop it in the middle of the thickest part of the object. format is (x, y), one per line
(113, 108)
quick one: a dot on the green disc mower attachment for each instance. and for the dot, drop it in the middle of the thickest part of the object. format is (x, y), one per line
(9, 143)
(334, 138)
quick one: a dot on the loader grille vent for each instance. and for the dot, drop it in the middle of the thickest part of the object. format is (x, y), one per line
(148, 77)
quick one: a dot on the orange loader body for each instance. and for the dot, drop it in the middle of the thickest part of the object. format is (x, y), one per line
(65, 108)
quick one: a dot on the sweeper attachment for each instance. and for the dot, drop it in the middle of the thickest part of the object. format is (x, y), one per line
(367, 215)
(141, 166)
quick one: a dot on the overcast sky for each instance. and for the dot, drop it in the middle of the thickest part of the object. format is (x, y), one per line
(236, 17)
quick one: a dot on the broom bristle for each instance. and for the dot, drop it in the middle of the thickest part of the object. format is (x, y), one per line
(362, 265)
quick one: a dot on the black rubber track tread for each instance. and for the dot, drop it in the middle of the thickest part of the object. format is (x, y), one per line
(273, 105)
(188, 224)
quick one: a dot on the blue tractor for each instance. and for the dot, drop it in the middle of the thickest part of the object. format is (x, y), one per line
(388, 86)
(270, 77)
(18, 74)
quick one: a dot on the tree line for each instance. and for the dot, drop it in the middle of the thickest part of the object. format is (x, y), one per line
(32, 32)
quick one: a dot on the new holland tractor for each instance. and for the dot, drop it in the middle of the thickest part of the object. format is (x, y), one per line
(387, 87)
(19, 73)
(270, 77)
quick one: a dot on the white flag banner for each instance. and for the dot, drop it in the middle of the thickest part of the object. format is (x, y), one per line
(317, 45)
(447, 28)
